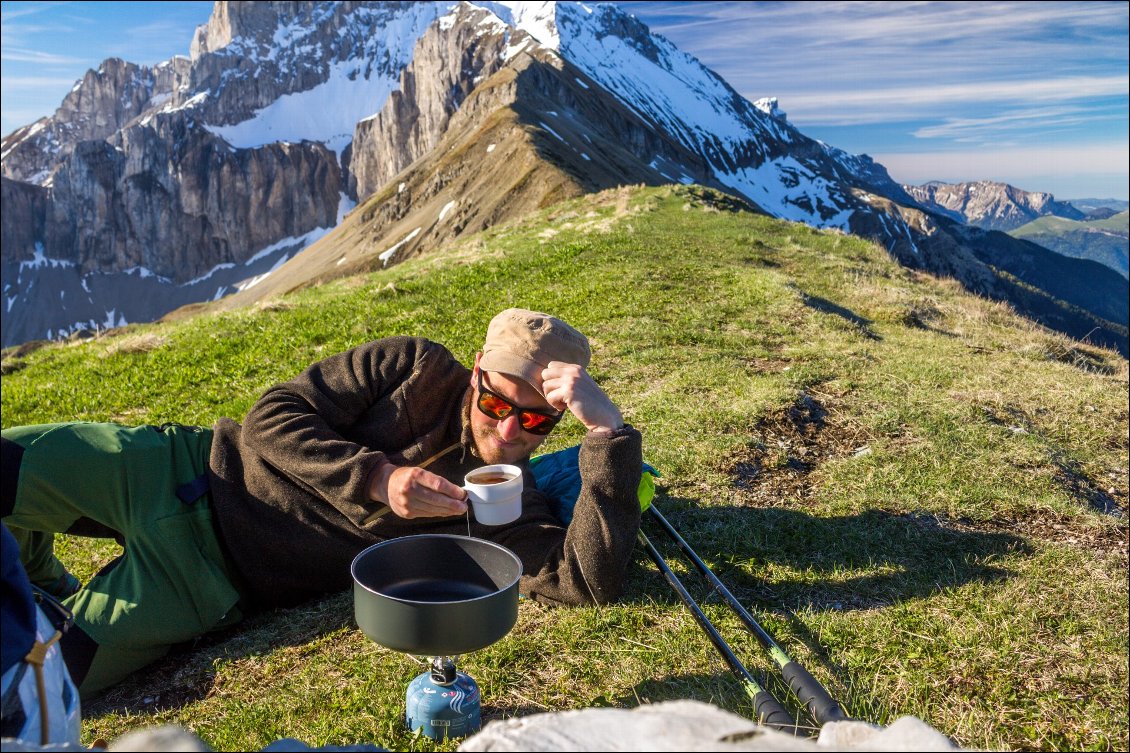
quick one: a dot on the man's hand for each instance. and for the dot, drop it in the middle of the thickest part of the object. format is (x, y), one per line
(412, 492)
(567, 386)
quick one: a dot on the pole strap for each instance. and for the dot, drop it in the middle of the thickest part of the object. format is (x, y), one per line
(37, 657)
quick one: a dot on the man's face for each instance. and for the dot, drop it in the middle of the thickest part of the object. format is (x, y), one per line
(504, 440)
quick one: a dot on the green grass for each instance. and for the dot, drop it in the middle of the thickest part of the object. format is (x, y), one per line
(903, 482)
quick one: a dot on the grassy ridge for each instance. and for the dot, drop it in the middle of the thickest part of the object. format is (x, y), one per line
(1104, 241)
(922, 495)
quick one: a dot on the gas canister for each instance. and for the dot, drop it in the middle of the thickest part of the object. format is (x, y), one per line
(443, 703)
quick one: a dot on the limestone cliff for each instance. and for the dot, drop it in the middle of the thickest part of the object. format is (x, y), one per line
(990, 205)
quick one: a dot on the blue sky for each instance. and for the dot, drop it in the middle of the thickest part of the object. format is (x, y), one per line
(1036, 94)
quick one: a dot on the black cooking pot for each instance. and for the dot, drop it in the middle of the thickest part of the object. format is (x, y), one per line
(436, 595)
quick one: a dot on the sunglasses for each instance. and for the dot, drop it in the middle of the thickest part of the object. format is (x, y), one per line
(498, 407)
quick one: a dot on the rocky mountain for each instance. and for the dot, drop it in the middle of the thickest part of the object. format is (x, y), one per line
(303, 140)
(1105, 240)
(989, 205)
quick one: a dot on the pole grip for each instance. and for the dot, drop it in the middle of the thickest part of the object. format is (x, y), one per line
(770, 713)
(812, 694)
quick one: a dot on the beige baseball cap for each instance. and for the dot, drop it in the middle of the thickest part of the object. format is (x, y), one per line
(521, 343)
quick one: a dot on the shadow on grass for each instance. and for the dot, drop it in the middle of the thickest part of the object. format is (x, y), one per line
(187, 675)
(865, 561)
(828, 307)
(872, 559)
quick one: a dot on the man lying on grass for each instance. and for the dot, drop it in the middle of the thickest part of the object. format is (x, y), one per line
(217, 522)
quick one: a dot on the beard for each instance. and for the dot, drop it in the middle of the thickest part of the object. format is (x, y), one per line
(487, 442)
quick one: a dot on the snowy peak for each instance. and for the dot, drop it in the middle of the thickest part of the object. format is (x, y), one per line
(768, 105)
(538, 19)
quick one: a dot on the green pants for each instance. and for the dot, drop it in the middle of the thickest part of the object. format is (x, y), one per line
(170, 584)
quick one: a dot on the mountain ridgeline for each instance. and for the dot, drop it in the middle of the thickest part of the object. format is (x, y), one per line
(303, 141)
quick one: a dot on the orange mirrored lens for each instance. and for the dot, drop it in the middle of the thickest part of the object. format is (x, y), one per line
(535, 421)
(494, 406)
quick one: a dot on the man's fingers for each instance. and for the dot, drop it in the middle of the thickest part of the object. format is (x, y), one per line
(429, 481)
(568, 386)
(426, 495)
(429, 503)
(557, 397)
(420, 508)
(447, 499)
(559, 382)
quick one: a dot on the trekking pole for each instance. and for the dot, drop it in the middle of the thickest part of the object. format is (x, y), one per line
(769, 710)
(807, 688)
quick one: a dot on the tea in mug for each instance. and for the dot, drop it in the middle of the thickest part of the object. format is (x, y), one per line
(489, 477)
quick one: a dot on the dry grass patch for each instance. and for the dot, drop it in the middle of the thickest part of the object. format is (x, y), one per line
(142, 343)
(277, 304)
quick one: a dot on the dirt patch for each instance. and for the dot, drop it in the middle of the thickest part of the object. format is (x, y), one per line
(175, 681)
(1110, 539)
(709, 199)
(11, 366)
(777, 466)
(766, 365)
(19, 351)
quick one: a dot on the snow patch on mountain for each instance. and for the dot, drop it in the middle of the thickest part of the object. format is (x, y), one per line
(538, 19)
(354, 89)
(555, 133)
(326, 113)
(388, 253)
(39, 260)
(801, 197)
(253, 281)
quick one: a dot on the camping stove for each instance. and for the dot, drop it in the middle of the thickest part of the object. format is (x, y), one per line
(443, 703)
(438, 596)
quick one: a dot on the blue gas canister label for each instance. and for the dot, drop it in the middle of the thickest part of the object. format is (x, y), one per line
(443, 711)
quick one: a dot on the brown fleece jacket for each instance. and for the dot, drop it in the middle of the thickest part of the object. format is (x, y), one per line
(289, 487)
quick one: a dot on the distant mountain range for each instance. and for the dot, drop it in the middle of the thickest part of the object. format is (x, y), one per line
(1105, 207)
(302, 141)
(1106, 241)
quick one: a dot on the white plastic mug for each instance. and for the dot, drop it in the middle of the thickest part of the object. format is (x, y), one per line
(496, 502)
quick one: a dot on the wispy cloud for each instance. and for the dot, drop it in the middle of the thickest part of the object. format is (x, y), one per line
(930, 99)
(857, 62)
(8, 12)
(32, 83)
(18, 55)
(871, 26)
(977, 129)
(18, 38)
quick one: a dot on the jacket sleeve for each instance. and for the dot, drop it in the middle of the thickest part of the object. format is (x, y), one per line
(300, 427)
(589, 563)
